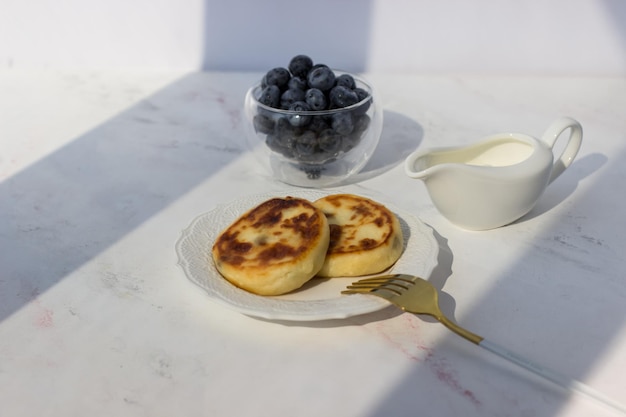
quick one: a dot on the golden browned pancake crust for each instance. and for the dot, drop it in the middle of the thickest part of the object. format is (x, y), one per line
(365, 236)
(273, 248)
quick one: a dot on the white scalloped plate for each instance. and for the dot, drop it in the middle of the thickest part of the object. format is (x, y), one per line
(319, 299)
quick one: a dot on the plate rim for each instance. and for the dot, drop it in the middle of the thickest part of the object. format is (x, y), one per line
(294, 314)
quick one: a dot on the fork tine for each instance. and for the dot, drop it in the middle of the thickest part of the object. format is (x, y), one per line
(387, 278)
(395, 284)
(365, 290)
(372, 290)
(389, 286)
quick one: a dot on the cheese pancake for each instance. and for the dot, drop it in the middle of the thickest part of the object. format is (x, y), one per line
(273, 248)
(365, 236)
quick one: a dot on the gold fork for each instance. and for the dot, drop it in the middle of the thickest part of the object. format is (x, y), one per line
(416, 295)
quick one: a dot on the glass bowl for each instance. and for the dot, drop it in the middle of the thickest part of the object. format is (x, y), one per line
(313, 148)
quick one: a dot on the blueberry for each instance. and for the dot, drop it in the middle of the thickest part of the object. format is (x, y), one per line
(315, 98)
(342, 123)
(275, 145)
(270, 96)
(299, 120)
(361, 93)
(329, 142)
(300, 65)
(300, 106)
(263, 124)
(273, 142)
(361, 123)
(321, 77)
(348, 142)
(282, 140)
(342, 97)
(346, 80)
(290, 96)
(284, 134)
(284, 128)
(306, 145)
(297, 83)
(277, 76)
(318, 66)
(318, 124)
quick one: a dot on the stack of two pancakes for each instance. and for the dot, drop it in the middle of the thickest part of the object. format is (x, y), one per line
(282, 243)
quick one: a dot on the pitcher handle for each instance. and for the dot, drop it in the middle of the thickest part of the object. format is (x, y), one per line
(571, 149)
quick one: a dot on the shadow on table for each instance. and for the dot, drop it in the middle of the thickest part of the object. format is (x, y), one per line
(554, 195)
(65, 209)
(400, 136)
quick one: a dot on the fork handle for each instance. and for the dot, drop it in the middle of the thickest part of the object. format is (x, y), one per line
(542, 371)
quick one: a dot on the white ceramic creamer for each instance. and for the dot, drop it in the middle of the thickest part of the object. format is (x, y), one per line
(496, 180)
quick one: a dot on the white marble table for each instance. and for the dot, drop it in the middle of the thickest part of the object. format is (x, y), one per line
(100, 172)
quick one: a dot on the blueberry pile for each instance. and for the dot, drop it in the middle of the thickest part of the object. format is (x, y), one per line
(303, 89)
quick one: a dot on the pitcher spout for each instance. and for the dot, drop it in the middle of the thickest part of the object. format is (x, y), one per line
(421, 165)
